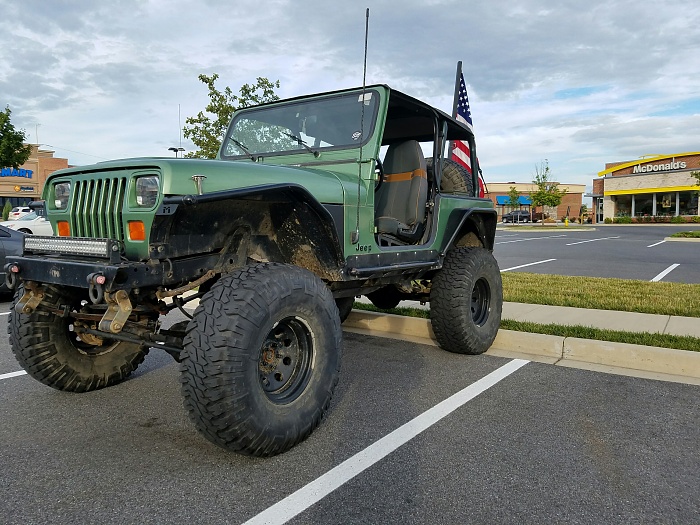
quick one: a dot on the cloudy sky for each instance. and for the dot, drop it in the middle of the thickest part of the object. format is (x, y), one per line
(577, 83)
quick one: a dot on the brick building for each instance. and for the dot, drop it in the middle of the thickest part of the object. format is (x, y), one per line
(655, 186)
(570, 205)
(19, 186)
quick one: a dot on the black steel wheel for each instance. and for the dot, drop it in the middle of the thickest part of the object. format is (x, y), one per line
(262, 359)
(52, 352)
(466, 299)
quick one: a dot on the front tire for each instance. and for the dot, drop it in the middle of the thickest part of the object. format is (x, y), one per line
(466, 299)
(262, 359)
(50, 351)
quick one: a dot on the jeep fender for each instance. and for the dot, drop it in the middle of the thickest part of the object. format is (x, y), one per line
(272, 222)
(473, 227)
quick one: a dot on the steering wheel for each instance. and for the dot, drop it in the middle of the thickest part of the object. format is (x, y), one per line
(378, 170)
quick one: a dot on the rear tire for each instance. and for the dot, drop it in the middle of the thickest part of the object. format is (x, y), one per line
(51, 352)
(262, 359)
(466, 299)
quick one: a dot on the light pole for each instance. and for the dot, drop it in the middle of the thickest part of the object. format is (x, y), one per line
(176, 150)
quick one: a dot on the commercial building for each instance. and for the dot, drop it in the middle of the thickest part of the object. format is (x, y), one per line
(659, 186)
(21, 185)
(570, 204)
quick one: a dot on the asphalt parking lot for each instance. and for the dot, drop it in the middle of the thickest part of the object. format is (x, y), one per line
(625, 252)
(539, 444)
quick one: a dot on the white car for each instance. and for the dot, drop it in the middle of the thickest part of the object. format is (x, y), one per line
(30, 223)
(18, 212)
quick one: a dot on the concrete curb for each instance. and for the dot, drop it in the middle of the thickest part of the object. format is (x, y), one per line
(605, 356)
(681, 239)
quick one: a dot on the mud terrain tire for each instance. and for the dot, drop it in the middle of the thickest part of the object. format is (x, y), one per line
(52, 353)
(466, 300)
(262, 359)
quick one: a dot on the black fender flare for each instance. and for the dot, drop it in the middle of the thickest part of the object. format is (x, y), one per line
(473, 222)
(288, 213)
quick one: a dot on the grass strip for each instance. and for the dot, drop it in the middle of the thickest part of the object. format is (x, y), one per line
(676, 342)
(691, 235)
(626, 295)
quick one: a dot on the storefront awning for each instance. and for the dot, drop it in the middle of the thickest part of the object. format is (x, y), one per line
(503, 200)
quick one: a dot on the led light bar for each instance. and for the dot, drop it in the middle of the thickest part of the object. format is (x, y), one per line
(71, 246)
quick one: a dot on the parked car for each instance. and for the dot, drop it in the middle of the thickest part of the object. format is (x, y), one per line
(516, 216)
(31, 223)
(11, 243)
(18, 212)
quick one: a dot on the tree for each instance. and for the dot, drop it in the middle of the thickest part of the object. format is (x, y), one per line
(582, 213)
(13, 151)
(548, 193)
(513, 198)
(696, 174)
(207, 131)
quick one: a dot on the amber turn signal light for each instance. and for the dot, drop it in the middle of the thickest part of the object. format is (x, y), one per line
(137, 231)
(63, 228)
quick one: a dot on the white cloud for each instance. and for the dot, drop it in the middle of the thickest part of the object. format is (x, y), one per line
(577, 84)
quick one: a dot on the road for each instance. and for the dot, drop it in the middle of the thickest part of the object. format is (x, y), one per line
(625, 252)
(542, 444)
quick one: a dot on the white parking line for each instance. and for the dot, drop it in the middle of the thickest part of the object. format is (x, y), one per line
(655, 244)
(593, 240)
(528, 264)
(12, 374)
(310, 494)
(665, 273)
(532, 239)
(4, 313)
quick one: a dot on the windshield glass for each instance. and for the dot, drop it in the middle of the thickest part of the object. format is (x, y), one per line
(28, 217)
(309, 126)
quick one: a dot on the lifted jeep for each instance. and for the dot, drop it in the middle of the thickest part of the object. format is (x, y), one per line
(311, 202)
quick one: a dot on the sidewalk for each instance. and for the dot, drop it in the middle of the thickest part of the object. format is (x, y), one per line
(604, 319)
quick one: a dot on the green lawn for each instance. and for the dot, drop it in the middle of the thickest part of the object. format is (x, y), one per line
(663, 298)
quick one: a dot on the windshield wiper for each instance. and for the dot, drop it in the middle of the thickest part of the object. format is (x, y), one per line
(240, 145)
(300, 142)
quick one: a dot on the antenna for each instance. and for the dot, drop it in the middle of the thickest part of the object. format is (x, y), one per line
(179, 125)
(355, 236)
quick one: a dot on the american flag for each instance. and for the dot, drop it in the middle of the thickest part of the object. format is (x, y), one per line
(460, 148)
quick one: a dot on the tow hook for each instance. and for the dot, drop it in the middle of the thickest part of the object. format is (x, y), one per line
(118, 312)
(33, 295)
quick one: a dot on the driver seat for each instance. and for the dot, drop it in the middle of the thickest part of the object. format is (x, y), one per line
(401, 199)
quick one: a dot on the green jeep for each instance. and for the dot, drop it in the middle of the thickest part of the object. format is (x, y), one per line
(312, 201)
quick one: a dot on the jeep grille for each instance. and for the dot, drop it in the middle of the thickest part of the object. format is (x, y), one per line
(97, 208)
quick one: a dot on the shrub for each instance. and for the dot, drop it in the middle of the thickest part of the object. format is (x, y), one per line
(6, 210)
(695, 219)
(608, 220)
(622, 220)
(678, 219)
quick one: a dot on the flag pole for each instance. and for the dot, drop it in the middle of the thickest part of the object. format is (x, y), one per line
(456, 97)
